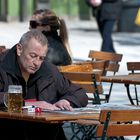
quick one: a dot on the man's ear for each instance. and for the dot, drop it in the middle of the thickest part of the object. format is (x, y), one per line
(19, 49)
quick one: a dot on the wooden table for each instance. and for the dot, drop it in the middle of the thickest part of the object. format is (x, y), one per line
(91, 112)
(47, 117)
(124, 79)
(53, 117)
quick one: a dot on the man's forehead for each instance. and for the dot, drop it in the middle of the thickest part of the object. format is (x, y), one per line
(36, 45)
(35, 41)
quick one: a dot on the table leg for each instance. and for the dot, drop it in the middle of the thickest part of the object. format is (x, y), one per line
(128, 94)
(136, 95)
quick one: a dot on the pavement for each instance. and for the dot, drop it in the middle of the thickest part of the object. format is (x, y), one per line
(84, 36)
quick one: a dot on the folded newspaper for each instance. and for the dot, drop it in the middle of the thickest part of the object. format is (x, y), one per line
(95, 108)
(115, 106)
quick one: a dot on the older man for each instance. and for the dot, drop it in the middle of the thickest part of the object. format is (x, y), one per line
(41, 81)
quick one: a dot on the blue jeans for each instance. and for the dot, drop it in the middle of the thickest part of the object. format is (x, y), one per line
(106, 29)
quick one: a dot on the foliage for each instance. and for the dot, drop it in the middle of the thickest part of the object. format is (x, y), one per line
(13, 7)
(70, 8)
(65, 7)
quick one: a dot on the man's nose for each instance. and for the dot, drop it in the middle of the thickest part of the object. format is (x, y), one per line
(37, 62)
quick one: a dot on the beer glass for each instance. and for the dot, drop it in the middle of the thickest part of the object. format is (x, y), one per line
(13, 99)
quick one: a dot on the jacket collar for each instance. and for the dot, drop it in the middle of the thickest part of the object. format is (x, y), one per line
(9, 63)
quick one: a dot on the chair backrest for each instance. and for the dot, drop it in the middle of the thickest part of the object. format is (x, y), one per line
(85, 67)
(2, 48)
(113, 59)
(133, 67)
(87, 80)
(118, 123)
(113, 64)
(96, 67)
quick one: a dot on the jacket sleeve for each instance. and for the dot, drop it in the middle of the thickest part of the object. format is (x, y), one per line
(3, 86)
(74, 94)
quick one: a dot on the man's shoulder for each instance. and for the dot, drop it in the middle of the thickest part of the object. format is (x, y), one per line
(49, 68)
(48, 64)
(3, 54)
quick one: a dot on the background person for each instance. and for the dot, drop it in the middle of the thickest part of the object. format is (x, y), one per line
(54, 28)
(106, 16)
(42, 82)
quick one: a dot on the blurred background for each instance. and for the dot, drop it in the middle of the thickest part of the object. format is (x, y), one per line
(21, 10)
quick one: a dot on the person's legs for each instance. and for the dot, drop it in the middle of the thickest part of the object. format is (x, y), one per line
(107, 36)
(11, 130)
(42, 131)
(106, 29)
(25, 130)
(100, 24)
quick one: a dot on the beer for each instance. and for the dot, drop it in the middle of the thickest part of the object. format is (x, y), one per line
(15, 102)
(14, 98)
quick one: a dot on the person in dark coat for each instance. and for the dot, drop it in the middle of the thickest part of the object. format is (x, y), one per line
(106, 16)
(42, 83)
(54, 28)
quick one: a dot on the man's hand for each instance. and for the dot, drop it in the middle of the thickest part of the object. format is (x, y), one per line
(43, 105)
(63, 105)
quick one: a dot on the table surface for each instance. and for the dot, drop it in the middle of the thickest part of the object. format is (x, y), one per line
(57, 117)
(126, 79)
(48, 117)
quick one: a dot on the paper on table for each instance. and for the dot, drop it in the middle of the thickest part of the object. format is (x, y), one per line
(95, 108)
(114, 106)
(82, 110)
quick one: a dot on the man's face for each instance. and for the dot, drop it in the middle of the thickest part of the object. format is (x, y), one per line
(31, 56)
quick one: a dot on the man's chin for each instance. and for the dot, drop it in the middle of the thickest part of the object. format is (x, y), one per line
(32, 71)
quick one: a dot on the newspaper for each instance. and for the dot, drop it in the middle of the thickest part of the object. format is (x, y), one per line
(82, 110)
(95, 108)
(114, 106)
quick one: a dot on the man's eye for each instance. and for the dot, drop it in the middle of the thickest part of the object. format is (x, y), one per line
(33, 55)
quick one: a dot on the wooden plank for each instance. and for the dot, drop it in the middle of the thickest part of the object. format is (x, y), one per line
(133, 66)
(100, 55)
(120, 123)
(120, 130)
(121, 115)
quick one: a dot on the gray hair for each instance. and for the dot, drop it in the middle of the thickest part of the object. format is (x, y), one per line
(36, 34)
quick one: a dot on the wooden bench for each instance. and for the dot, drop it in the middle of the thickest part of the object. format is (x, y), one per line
(134, 68)
(113, 64)
(118, 123)
(80, 70)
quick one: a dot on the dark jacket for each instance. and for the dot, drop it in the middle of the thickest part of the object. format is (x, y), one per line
(57, 53)
(109, 9)
(46, 84)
